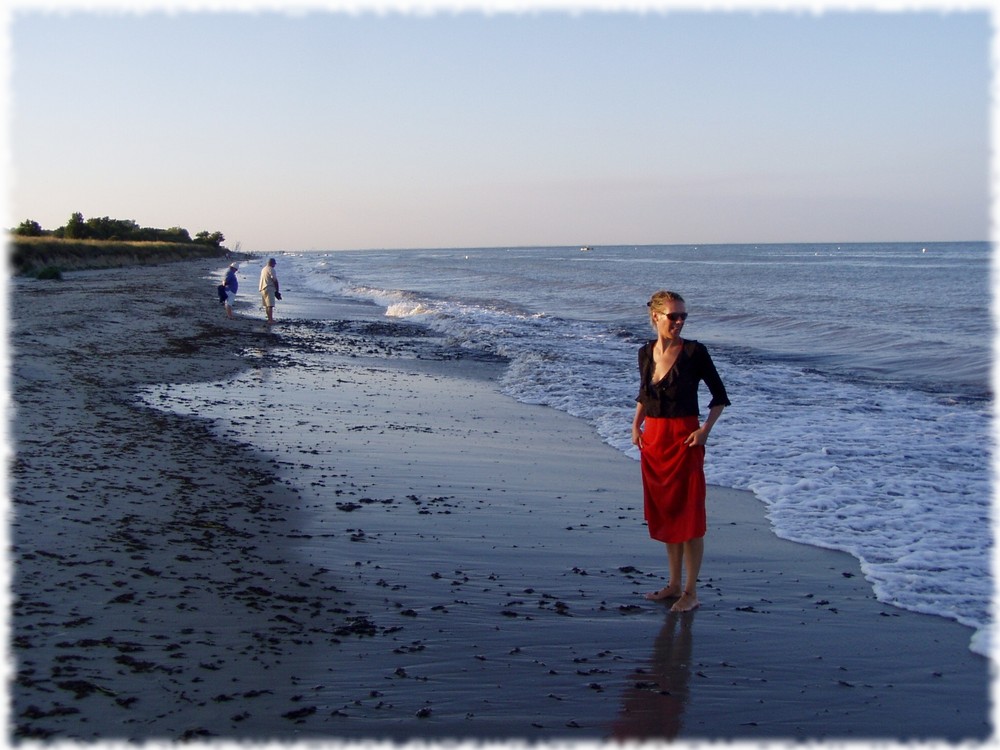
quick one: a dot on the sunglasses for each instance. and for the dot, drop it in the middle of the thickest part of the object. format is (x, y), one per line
(674, 317)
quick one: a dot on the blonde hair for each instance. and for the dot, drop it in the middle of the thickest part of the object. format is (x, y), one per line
(658, 302)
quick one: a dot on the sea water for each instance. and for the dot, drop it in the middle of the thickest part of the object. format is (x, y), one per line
(859, 376)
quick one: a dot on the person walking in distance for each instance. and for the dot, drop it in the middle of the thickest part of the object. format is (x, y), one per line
(232, 286)
(269, 290)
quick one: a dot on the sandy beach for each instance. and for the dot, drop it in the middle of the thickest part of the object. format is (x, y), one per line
(411, 555)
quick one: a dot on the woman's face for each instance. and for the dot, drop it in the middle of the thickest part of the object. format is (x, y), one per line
(670, 320)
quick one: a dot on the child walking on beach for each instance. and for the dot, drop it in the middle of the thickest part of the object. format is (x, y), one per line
(232, 285)
(671, 443)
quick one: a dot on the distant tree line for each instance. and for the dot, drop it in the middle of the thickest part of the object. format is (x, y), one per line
(123, 230)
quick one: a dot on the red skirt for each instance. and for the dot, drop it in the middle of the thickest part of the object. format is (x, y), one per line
(673, 480)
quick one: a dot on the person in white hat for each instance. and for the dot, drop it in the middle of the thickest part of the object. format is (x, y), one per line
(232, 286)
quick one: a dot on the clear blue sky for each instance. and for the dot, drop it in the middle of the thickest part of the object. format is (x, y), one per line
(331, 130)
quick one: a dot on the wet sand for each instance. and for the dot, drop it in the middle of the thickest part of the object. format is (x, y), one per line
(411, 555)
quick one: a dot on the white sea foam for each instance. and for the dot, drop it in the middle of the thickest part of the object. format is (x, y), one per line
(406, 310)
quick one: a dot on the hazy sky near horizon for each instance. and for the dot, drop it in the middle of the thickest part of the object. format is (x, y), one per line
(332, 130)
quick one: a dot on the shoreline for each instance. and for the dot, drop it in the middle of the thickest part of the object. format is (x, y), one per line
(206, 589)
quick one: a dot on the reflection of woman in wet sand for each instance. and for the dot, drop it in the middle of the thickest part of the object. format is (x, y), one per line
(671, 442)
(654, 706)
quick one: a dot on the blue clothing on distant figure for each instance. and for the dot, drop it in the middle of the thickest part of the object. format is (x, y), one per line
(231, 283)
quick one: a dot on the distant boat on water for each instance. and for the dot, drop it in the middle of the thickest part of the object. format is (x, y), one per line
(586, 249)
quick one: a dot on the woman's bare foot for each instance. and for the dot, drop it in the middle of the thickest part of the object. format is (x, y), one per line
(667, 592)
(686, 603)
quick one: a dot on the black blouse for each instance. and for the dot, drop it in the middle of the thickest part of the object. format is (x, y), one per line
(676, 395)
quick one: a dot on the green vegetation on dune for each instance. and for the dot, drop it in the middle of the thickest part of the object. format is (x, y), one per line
(31, 255)
(103, 243)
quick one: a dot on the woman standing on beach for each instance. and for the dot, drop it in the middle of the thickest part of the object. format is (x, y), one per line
(671, 443)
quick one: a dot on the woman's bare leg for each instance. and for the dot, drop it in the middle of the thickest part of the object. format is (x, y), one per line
(675, 558)
(694, 551)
